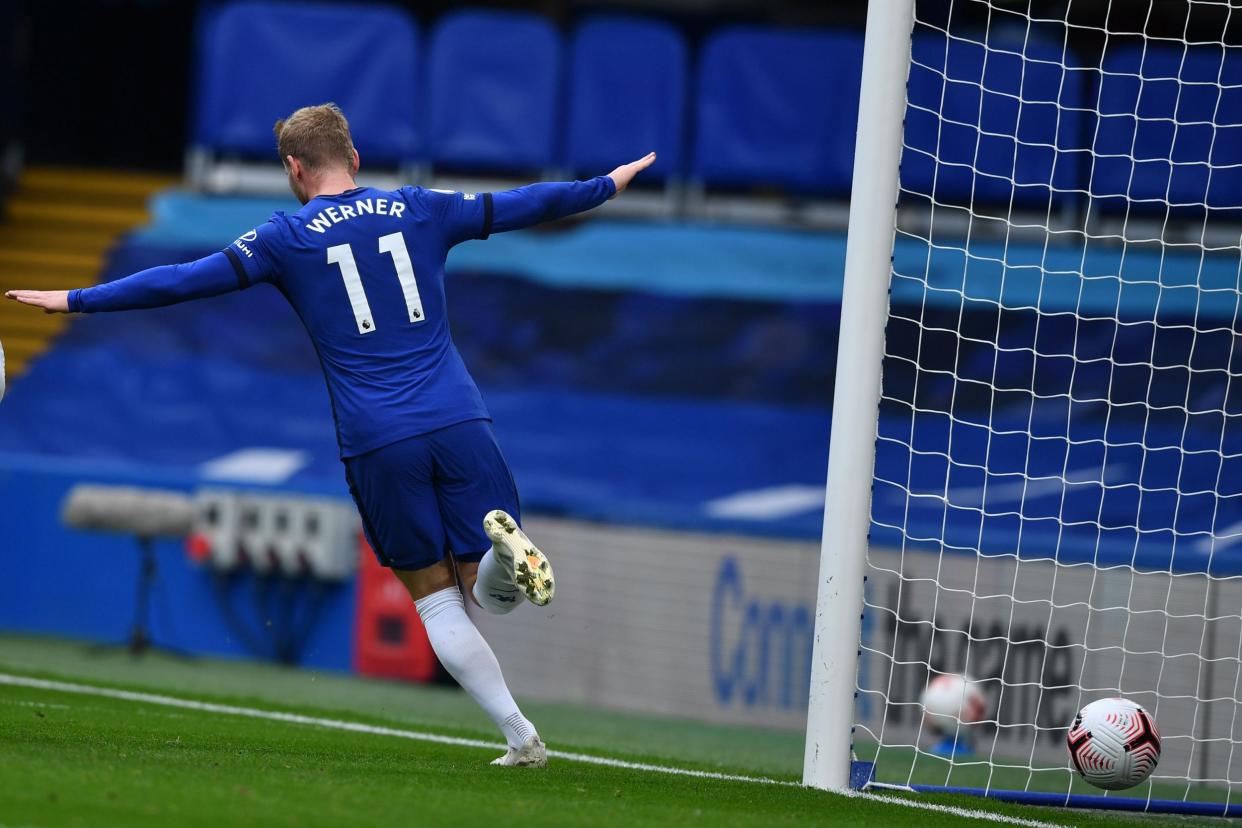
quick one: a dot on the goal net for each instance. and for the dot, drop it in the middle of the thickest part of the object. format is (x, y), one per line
(1056, 508)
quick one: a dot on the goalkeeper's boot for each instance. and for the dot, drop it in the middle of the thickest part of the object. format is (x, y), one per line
(532, 754)
(531, 571)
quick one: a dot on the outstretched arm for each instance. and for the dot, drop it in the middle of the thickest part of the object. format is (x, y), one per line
(535, 203)
(151, 288)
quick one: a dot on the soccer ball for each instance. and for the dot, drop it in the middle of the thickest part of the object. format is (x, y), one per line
(951, 699)
(1114, 744)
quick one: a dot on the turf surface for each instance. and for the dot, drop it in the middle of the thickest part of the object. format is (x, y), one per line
(73, 759)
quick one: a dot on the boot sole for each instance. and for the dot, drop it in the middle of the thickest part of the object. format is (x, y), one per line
(531, 570)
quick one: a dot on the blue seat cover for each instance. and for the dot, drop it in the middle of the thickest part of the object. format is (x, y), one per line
(778, 107)
(1169, 130)
(259, 61)
(627, 95)
(494, 83)
(993, 123)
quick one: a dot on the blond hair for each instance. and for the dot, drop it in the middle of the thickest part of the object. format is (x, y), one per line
(318, 136)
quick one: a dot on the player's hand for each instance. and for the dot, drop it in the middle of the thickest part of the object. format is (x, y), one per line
(624, 174)
(52, 301)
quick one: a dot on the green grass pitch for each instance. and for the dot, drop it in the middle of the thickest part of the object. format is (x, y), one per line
(92, 760)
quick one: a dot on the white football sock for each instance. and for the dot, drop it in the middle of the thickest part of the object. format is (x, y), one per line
(494, 588)
(468, 658)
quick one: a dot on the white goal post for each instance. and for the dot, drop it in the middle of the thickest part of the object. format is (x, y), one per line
(1035, 468)
(856, 398)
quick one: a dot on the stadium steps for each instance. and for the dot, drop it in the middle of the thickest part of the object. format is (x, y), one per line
(91, 216)
(16, 236)
(57, 229)
(20, 349)
(78, 182)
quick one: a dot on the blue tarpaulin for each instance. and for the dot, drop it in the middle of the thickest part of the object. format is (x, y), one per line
(664, 407)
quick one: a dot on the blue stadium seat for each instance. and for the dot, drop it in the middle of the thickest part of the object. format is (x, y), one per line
(494, 82)
(627, 95)
(1156, 137)
(258, 61)
(993, 124)
(778, 107)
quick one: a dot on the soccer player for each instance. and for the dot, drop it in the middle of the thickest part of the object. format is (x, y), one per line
(364, 269)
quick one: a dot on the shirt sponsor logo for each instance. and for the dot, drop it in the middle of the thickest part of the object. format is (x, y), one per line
(241, 245)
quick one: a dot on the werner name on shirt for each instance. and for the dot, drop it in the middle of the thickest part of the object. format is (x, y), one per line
(362, 207)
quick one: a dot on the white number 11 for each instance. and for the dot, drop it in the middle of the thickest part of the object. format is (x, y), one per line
(394, 245)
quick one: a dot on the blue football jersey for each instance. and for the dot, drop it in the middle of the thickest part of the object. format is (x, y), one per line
(364, 270)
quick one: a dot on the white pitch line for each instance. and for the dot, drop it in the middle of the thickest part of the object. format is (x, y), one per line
(422, 736)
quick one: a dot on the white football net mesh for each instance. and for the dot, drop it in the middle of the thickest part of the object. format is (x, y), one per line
(1057, 505)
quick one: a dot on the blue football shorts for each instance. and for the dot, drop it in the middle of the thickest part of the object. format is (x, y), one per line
(424, 497)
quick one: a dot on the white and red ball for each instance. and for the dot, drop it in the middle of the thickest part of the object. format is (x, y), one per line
(1114, 743)
(950, 700)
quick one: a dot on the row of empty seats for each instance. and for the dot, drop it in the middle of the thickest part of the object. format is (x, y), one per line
(1152, 126)
(765, 107)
